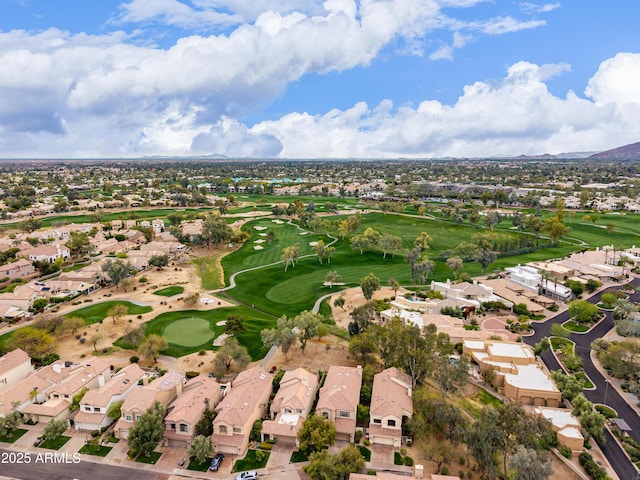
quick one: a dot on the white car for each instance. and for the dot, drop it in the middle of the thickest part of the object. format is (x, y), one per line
(251, 475)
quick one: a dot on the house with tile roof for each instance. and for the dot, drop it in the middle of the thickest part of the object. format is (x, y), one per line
(19, 269)
(95, 404)
(245, 403)
(162, 390)
(391, 406)
(88, 374)
(14, 367)
(339, 398)
(188, 408)
(291, 406)
(516, 373)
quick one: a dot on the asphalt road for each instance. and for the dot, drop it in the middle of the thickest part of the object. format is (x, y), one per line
(614, 453)
(14, 464)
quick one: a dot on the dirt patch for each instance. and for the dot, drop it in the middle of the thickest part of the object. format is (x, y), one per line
(317, 356)
(353, 298)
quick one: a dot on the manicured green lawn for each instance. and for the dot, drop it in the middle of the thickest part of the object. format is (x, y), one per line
(99, 311)
(151, 459)
(210, 271)
(251, 462)
(586, 383)
(255, 322)
(558, 343)
(99, 451)
(299, 456)
(170, 291)
(365, 452)
(198, 467)
(16, 433)
(56, 444)
(575, 327)
(189, 331)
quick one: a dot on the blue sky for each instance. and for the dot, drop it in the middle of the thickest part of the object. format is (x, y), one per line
(310, 79)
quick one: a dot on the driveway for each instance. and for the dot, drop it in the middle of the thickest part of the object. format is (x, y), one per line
(611, 449)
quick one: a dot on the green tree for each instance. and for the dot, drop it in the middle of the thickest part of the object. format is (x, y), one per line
(582, 311)
(282, 336)
(234, 324)
(95, 339)
(159, 261)
(320, 250)
(332, 277)
(324, 466)
(485, 257)
(78, 244)
(527, 464)
(115, 410)
(422, 242)
(389, 243)
(558, 330)
(77, 398)
(231, 352)
(569, 385)
(395, 286)
(34, 341)
(117, 312)
(147, 431)
(306, 323)
(200, 448)
(152, 346)
(72, 324)
(316, 433)
(455, 264)
(205, 426)
(116, 270)
(369, 285)
(54, 430)
(555, 228)
(215, 231)
(450, 375)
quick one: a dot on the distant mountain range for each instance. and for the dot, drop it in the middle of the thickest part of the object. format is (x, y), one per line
(627, 152)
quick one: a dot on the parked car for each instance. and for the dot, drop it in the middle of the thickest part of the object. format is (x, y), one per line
(251, 475)
(216, 461)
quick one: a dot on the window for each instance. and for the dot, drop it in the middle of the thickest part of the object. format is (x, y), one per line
(183, 427)
(128, 417)
(344, 414)
(391, 423)
(325, 414)
(237, 430)
(137, 417)
(223, 429)
(288, 410)
(377, 420)
(173, 426)
(96, 409)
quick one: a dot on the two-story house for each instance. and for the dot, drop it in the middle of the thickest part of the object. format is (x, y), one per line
(188, 408)
(162, 390)
(88, 374)
(245, 403)
(391, 406)
(291, 406)
(95, 404)
(339, 398)
(14, 367)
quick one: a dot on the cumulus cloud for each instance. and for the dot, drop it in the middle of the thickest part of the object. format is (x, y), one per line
(516, 115)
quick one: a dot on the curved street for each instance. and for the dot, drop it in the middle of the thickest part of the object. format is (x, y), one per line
(611, 449)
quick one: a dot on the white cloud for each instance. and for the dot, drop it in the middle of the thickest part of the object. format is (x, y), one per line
(517, 115)
(445, 52)
(537, 8)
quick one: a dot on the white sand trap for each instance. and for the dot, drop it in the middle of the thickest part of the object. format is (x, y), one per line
(263, 234)
(206, 300)
(258, 247)
(259, 241)
(313, 244)
(304, 233)
(279, 222)
(219, 341)
(260, 228)
(221, 323)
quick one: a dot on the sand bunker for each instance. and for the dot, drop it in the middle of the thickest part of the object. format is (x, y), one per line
(258, 247)
(260, 228)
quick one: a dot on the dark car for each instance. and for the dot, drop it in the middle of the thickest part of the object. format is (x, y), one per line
(216, 462)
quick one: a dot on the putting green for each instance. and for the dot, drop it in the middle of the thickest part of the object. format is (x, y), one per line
(189, 332)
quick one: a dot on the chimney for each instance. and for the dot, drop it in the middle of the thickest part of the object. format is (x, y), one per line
(57, 368)
(418, 471)
(305, 381)
(100, 380)
(179, 387)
